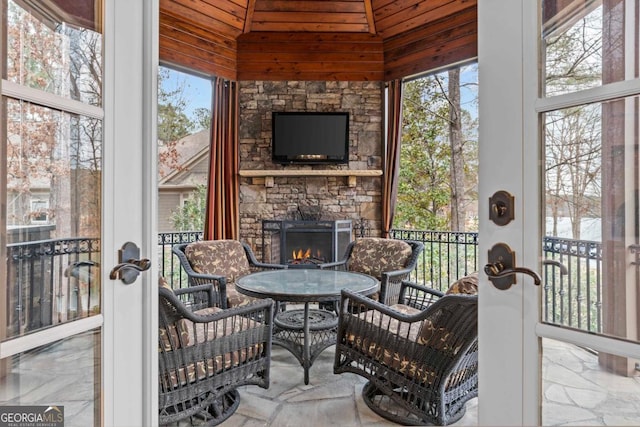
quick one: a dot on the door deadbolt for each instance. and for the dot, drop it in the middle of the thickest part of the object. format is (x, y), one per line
(501, 207)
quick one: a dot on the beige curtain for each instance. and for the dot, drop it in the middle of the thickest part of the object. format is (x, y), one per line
(392, 155)
(222, 220)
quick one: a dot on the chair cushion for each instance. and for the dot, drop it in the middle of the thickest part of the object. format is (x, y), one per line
(376, 255)
(429, 333)
(162, 282)
(225, 258)
(235, 298)
(388, 353)
(398, 358)
(203, 333)
(176, 335)
(465, 285)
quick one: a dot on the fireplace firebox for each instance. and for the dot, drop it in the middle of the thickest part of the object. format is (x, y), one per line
(305, 244)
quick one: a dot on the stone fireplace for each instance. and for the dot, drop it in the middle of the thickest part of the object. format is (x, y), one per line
(270, 191)
(305, 244)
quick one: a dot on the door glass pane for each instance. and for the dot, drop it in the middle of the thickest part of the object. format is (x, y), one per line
(56, 46)
(586, 44)
(591, 200)
(64, 375)
(53, 217)
(591, 230)
(591, 246)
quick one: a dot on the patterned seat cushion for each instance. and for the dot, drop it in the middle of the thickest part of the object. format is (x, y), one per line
(375, 255)
(465, 285)
(200, 333)
(395, 356)
(175, 335)
(225, 258)
(218, 257)
(388, 353)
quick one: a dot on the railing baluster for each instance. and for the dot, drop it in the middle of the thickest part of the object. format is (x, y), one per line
(572, 300)
(39, 294)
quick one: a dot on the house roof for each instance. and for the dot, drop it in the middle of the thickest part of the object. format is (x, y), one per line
(179, 157)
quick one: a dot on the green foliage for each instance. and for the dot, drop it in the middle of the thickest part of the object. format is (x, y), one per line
(173, 123)
(202, 118)
(191, 215)
(424, 189)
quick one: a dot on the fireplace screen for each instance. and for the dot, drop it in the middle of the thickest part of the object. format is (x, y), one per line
(305, 243)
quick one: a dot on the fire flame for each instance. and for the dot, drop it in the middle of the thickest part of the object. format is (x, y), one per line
(300, 254)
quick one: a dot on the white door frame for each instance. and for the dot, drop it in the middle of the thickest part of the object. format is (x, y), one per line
(129, 312)
(510, 159)
(508, 153)
(129, 351)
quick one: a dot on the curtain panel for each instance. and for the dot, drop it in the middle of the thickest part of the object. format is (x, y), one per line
(222, 219)
(392, 154)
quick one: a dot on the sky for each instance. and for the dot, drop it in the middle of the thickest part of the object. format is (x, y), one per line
(197, 90)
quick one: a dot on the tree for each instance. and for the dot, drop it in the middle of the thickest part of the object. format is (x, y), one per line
(202, 118)
(573, 165)
(173, 123)
(456, 143)
(438, 172)
(423, 192)
(573, 135)
(190, 216)
(54, 154)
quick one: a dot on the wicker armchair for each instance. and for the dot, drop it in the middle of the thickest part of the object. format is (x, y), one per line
(206, 352)
(220, 262)
(388, 260)
(420, 355)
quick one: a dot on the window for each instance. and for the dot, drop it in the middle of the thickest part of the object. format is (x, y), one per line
(39, 211)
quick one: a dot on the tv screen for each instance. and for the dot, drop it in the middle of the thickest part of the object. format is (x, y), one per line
(310, 137)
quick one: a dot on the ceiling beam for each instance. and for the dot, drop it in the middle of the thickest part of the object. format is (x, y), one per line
(251, 7)
(368, 10)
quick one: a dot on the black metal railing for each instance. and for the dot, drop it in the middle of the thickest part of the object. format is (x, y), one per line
(51, 282)
(168, 264)
(447, 256)
(573, 299)
(54, 281)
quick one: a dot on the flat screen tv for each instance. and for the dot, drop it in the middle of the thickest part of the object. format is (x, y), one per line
(310, 138)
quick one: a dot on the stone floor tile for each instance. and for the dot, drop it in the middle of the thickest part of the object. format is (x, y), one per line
(554, 414)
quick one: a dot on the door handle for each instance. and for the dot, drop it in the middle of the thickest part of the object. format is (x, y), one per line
(498, 270)
(553, 262)
(81, 270)
(129, 264)
(502, 267)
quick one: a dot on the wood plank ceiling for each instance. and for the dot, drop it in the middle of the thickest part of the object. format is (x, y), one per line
(377, 40)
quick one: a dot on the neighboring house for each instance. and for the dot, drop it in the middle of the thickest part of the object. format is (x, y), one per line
(180, 178)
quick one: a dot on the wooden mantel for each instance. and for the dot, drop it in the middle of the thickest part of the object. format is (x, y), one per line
(267, 175)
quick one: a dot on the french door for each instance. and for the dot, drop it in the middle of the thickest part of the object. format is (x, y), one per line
(559, 97)
(78, 128)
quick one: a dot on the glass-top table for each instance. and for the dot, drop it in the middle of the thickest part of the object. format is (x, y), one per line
(305, 332)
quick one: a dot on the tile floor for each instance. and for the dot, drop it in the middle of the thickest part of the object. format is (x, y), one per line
(576, 391)
(328, 400)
